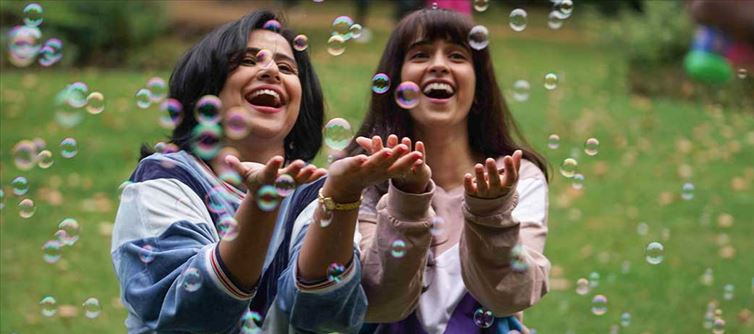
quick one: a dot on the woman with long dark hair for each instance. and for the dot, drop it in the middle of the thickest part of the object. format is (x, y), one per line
(203, 241)
(456, 244)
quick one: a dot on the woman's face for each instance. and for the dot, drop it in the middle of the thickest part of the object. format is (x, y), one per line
(266, 89)
(445, 74)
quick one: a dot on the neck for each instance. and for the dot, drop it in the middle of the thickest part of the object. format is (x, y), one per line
(449, 153)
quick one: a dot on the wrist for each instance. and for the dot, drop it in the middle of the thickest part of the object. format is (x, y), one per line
(340, 194)
(409, 187)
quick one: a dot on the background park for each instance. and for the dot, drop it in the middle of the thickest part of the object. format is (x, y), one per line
(674, 165)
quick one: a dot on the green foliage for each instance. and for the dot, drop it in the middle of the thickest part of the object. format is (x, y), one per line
(659, 36)
(96, 32)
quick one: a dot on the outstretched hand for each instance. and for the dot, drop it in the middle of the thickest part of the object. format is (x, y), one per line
(489, 182)
(416, 177)
(256, 174)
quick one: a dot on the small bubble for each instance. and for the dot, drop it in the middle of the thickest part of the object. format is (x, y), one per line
(336, 45)
(300, 43)
(594, 280)
(568, 167)
(171, 113)
(341, 25)
(355, 30)
(554, 20)
(69, 229)
(642, 229)
(521, 90)
(599, 305)
(438, 226)
(338, 133)
(518, 19)
(481, 5)
(285, 185)
(206, 140)
(380, 83)
(143, 98)
(68, 148)
(272, 25)
(582, 286)
(20, 185)
(728, 290)
(591, 147)
(146, 254)
(718, 326)
(26, 208)
(267, 198)
(407, 95)
(92, 308)
(687, 191)
(158, 89)
(398, 248)
(49, 306)
(207, 110)
(483, 318)
(335, 271)
(25, 154)
(191, 279)
(655, 253)
(551, 81)
(577, 182)
(518, 258)
(95, 103)
(251, 322)
(742, 73)
(565, 7)
(479, 37)
(553, 141)
(33, 14)
(51, 252)
(51, 52)
(625, 319)
(236, 123)
(228, 228)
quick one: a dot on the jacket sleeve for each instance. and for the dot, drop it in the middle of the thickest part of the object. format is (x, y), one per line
(321, 307)
(503, 278)
(393, 284)
(163, 251)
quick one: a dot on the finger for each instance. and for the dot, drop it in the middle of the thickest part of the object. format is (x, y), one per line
(404, 164)
(318, 173)
(305, 174)
(481, 181)
(492, 173)
(293, 168)
(236, 164)
(270, 171)
(392, 140)
(376, 144)
(510, 175)
(468, 184)
(420, 147)
(406, 141)
(517, 156)
(365, 143)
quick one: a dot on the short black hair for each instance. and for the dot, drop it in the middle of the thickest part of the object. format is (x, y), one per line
(205, 67)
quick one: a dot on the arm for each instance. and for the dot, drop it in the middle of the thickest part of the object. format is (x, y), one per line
(159, 244)
(492, 228)
(393, 285)
(321, 306)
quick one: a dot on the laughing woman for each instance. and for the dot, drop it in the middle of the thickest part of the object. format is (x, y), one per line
(455, 245)
(196, 254)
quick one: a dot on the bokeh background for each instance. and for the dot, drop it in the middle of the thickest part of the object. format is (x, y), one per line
(675, 161)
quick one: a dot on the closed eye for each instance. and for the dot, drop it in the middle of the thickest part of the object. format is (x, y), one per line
(248, 61)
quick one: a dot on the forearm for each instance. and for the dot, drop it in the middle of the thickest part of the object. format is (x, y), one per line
(244, 255)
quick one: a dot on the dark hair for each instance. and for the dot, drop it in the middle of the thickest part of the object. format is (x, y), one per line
(205, 67)
(492, 130)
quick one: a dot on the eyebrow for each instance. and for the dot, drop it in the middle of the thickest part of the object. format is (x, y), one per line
(424, 42)
(277, 55)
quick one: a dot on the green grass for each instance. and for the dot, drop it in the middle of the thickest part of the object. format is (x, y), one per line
(592, 230)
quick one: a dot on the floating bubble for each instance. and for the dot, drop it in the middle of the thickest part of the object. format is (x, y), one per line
(228, 228)
(206, 140)
(24, 45)
(481, 5)
(335, 272)
(2, 198)
(521, 90)
(708, 277)
(251, 322)
(20, 185)
(380, 83)
(741, 73)
(479, 37)
(207, 109)
(518, 19)
(171, 113)
(591, 147)
(336, 45)
(728, 290)
(578, 181)
(230, 176)
(599, 305)
(554, 20)
(191, 279)
(551, 81)
(49, 306)
(95, 103)
(76, 94)
(438, 226)
(687, 191)
(718, 326)
(625, 319)
(553, 141)
(483, 318)
(582, 286)
(51, 252)
(68, 103)
(92, 308)
(25, 154)
(51, 52)
(146, 253)
(69, 148)
(236, 123)
(143, 98)
(355, 31)
(33, 15)
(300, 43)
(655, 253)
(157, 88)
(267, 198)
(272, 25)
(407, 95)
(518, 258)
(338, 134)
(70, 231)
(594, 279)
(26, 208)
(398, 248)
(285, 185)
(264, 58)
(565, 7)
(642, 229)
(568, 167)
(325, 217)
(341, 25)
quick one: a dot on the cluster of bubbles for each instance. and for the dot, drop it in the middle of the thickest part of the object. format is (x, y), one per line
(67, 234)
(24, 41)
(561, 11)
(153, 92)
(343, 30)
(71, 101)
(91, 307)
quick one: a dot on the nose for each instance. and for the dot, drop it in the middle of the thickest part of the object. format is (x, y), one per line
(269, 72)
(438, 65)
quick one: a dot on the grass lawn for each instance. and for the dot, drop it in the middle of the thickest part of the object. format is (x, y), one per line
(648, 149)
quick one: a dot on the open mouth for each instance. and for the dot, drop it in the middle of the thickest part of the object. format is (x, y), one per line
(438, 90)
(265, 98)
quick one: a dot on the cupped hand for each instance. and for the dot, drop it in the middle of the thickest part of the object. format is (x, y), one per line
(490, 182)
(416, 177)
(256, 174)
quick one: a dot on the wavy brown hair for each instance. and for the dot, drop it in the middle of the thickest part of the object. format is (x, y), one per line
(492, 130)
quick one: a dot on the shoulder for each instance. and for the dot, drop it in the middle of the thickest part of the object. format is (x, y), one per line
(173, 166)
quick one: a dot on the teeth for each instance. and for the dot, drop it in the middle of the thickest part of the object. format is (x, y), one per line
(265, 91)
(438, 86)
